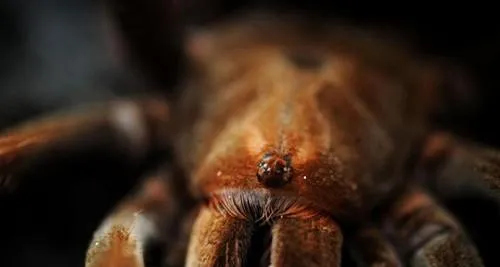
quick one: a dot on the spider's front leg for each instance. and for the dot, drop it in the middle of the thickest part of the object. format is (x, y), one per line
(155, 211)
(426, 235)
(131, 127)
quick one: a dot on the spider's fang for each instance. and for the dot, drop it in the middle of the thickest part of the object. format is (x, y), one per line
(274, 170)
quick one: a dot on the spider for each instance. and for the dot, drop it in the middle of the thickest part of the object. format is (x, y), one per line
(292, 140)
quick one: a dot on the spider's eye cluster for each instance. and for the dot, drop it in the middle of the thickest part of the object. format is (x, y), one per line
(274, 170)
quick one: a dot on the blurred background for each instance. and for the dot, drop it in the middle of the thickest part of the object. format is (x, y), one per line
(59, 53)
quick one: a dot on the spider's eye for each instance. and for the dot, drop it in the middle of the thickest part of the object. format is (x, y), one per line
(274, 170)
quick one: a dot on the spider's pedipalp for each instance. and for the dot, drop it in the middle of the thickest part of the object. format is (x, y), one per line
(218, 240)
(426, 235)
(310, 241)
(134, 126)
(156, 210)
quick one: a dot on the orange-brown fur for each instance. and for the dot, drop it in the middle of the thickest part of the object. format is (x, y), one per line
(341, 122)
(303, 126)
(116, 249)
(319, 240)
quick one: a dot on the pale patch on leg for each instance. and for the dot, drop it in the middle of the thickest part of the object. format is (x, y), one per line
(120, 240)
(127, 118)
(122, 237)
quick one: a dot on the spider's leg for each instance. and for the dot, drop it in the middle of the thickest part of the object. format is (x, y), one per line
(452, 166)
(479, 163)
(128, 126)
(306, 241)
(155, 211)
(469, 184)
(369, 247)
(426, 235)
(218, 240)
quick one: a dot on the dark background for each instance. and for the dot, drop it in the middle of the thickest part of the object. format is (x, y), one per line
(55, 54)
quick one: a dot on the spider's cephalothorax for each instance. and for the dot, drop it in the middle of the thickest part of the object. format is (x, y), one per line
(304, 127)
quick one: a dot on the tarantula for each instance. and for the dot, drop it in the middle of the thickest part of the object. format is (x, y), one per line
(303, 131)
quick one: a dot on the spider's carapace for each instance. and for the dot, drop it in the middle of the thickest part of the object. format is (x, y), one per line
(310, 118)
